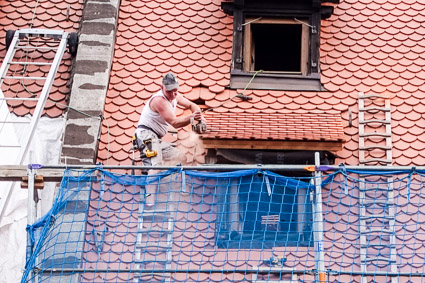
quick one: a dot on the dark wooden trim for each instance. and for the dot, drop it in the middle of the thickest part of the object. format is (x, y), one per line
(326, 12)
(227, 8)
(331, 1)
(276, 145)
(237, 54)
(315, 43)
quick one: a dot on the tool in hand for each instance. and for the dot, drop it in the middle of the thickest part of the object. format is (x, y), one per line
(200, 127)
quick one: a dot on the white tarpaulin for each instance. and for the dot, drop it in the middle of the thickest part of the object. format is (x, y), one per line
(44, 149)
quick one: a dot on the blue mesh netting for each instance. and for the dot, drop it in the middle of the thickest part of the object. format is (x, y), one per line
(241, 226)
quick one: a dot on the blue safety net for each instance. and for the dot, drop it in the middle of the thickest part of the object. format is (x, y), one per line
(239, 226)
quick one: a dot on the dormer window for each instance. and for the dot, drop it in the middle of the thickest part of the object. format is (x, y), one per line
(277, 43)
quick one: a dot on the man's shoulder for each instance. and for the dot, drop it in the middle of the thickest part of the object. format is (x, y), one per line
(157, 101)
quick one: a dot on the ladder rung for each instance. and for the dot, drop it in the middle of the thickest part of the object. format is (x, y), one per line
(381, 160)
(383, 246)
(10, 146)
(379, 258)
(374, 147)
(23, 78)
(35, 47)
(369, 109)
(151, 247)
(374, 189)
(163, 274)
(374, 121)
(15, 122)
(157, 213)
(30, 63)
(369, 202)
(20, 99)
(376, 230)
(372, 96)
(41, 32)
(374, 134)
(155, 230)
(162, 261)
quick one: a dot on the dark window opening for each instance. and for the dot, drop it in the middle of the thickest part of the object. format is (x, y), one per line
(259, 212)
(276, 47)
(263, 211)
(285, 49)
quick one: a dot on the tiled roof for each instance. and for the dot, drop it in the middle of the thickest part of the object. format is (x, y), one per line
(43, 14)
(275, 126)
(366, 46)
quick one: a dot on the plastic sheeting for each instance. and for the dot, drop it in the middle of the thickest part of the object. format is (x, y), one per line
(45, 149)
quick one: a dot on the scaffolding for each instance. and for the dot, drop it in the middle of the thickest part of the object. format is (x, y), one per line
(214, 214)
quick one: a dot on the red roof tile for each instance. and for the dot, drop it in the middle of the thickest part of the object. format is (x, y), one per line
(21, 14)
(369, 46)
(274, 126)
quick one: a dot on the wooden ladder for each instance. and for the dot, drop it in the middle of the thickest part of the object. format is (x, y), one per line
(376, 193)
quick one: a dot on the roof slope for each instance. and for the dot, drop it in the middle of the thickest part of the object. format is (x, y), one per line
(43, 14)
(366, 46)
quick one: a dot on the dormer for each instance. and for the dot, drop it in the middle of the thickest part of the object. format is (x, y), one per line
(277, 42)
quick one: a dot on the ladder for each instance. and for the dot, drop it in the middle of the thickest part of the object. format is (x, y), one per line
(155, 238)
(376, 193)
(22, 66)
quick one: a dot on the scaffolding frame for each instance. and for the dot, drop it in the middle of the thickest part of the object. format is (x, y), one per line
(53, 173)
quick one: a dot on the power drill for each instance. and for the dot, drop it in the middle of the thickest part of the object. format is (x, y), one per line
(149, 152)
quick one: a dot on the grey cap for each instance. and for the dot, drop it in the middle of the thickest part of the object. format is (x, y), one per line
(170, 81)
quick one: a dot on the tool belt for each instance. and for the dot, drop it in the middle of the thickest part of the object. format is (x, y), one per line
(149, 153)
(150, 129)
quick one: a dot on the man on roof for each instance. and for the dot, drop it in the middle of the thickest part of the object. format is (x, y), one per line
(156, 116)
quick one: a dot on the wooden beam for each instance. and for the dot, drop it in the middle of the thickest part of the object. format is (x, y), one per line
(17, 172)
(237, 55)
(275, 145)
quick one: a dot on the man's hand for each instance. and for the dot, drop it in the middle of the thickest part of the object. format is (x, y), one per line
(197, 115)
(201, 126)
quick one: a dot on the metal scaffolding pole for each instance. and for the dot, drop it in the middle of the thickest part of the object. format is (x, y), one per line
(288, 167)
(318, 224)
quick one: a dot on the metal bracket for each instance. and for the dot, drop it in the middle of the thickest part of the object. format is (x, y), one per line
(313, 28)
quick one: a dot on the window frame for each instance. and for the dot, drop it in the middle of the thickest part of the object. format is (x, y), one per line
(248, 47)
(312, 13)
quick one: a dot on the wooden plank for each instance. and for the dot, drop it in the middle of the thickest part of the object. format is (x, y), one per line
(17, 172)
(279, 145)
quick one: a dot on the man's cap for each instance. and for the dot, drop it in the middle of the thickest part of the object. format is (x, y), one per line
(170, 81)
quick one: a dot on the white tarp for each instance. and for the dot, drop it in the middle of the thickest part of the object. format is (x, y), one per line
(45, 149)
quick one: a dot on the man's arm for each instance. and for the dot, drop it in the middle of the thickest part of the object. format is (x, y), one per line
(187, 104)
(160, 105)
